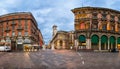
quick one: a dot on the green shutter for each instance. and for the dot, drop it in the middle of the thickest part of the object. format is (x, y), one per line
(118, 40)
(82, 38)
(112, 39)
(104, 39)
(95, 39)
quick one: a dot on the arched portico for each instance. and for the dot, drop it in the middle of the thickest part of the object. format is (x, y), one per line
(112, 42)
(82, 42)
(95, 42)
(104, 42)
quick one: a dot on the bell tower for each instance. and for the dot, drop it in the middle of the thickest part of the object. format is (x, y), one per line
(54, 30)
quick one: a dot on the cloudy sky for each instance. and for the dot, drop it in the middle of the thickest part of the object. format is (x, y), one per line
(53, 12)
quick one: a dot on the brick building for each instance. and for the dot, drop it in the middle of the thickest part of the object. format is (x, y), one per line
(20, 29)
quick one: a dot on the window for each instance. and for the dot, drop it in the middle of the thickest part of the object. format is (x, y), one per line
(13, 27)
(26, 21)
(103, 16)
(82, 26)
(19, 33)
(13, 22)
(7, 23)
(13, 33)
(26, 33)
(19, 22)
(104, 27)
(95, 15)
(94, 26)
(26, 27)
(112, 17)
(7, 34)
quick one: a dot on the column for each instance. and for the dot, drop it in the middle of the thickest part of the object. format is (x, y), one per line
(58, 44)
(108, 44)
(116, 43)
(111, 46)
(88, 43)
(52, 46)
(76, 44)
(63, 45)
(99, 44)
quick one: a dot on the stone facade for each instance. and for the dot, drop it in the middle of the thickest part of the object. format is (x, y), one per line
(62, 39)
(97, 28)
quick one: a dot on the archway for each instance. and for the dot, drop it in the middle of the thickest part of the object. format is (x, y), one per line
(118, 43)
(104, 42)
(82, 42)
(112, 42)
(61, 44)
(94, 42)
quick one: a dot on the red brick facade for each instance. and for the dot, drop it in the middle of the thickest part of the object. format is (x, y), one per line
(20, 25)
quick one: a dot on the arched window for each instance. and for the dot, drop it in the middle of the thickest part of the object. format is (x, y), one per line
(108, 26)
(82, 25)
(95, 39)
(82, 38)
(104, 39)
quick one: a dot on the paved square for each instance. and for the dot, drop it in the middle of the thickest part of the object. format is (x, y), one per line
(59, 59)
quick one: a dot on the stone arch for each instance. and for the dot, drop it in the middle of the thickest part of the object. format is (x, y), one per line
(95, 42)
(104, 42)
(112, 42)
(82, 42)
(61, 43)
(82, 38)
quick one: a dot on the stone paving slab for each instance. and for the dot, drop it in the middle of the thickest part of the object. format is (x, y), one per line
(59, 59)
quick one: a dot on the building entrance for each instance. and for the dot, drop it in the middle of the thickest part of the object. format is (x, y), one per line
(13, 45)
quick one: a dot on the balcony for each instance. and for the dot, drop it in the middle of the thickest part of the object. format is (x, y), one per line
(7, 29)
(13, 23)
(96, 30)
(20, 28)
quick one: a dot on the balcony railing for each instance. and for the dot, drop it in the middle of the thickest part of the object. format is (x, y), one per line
(13, 23)
(96, 30)
(20, 28)
(7, 29)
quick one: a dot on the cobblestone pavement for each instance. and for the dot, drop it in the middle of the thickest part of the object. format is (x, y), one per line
(59, 59)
